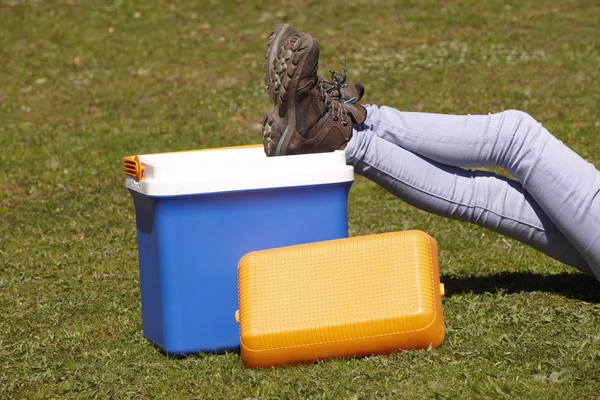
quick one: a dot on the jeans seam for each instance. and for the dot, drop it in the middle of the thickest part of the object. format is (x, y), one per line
(441, 136)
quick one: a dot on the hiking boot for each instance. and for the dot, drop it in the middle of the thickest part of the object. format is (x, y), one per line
(278, 38)
(309, 116)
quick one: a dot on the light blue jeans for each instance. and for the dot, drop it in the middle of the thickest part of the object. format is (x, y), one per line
(554, 206)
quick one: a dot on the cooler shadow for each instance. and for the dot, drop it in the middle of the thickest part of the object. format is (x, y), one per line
(574, 286)
(181, 356)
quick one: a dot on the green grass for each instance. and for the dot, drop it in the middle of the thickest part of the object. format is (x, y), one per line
(83, 83)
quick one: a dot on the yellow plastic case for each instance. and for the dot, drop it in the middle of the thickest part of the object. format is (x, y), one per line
(358, 296)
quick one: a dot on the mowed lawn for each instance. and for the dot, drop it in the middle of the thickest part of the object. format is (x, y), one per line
(83, 83)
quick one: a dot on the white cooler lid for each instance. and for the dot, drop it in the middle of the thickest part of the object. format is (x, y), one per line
(233, 169)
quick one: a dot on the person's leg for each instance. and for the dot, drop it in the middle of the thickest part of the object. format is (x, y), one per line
(494, 202)
(562, 183)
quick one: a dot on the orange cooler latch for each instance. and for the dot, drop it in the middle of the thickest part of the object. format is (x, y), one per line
(133, 167)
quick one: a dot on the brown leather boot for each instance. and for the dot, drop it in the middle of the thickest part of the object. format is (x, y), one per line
(278, 37)
(309, 116)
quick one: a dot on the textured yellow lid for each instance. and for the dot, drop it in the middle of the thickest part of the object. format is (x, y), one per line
(370, 287)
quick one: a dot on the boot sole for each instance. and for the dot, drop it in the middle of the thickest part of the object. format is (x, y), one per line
(288, 66)
(269, 144)
(266, 131)
(278, 37)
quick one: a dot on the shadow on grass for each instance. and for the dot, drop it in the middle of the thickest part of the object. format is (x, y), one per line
(574, 286)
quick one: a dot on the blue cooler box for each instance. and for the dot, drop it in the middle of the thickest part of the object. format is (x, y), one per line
(199, 212)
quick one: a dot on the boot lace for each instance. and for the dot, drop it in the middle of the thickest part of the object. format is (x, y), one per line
(331, 93)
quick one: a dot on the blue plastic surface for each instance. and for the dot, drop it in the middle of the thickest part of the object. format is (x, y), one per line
(189, 248)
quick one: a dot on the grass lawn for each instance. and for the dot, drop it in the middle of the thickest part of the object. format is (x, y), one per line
(83, 83)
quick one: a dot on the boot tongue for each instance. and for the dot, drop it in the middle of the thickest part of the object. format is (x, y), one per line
(357, 112)
(352, 93)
